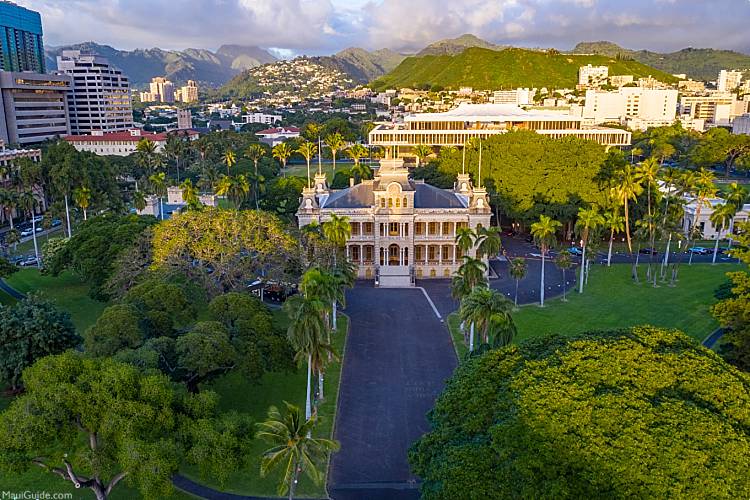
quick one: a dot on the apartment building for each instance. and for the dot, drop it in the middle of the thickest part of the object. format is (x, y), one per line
(160, 90)
(717, 108)
(34, 107)
(635, 106)
(728, 80)
(517, 97)
(263, 118)
(187, 93)
(100, 95)
(592, 75)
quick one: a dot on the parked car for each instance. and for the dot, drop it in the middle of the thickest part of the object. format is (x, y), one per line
(648, 251)
(698, 250)
(575, 251)
(56, 222)
(27, 232)
(28, 261)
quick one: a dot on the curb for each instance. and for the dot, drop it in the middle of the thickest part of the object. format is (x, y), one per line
(11, 291)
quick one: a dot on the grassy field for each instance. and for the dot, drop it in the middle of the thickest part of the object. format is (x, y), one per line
(66, 290)
(275, 388)
(612, 300)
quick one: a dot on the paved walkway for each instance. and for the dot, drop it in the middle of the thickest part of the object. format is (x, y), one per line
(398, 356)
(11, 291)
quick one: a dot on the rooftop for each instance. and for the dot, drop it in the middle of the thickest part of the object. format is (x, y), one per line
(126, 136)
(278, 130)
(362, 196)
(489, 113)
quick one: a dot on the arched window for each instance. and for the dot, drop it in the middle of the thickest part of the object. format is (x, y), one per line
(382, 202)
(398, 203)
(390, 202)
(405, 202)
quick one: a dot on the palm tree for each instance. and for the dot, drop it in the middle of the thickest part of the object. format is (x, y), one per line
(335, 143)
(282, 152)
(421, 151)
(448, 151)
(721, 218)
(736, 194)
(158, 184)
(13, 237)
(356, 152)
(324, 287)
(175, 149)
(235, 189)
(705, 189)
(361, 172)
(308, 150)
(518, 269)
(627, 188)
(544, 236)
(465, 239)
(490, 311)
(488, 241)
(82, 197)
(647, 174)
(9, 201)
(564, 262)
(589, 219)
(615, 223)
(229, 159)
(190, 194)
(139, 200)
(469, 275)
(28, 202)
(293, 447)
(255, 152)
(306, 329)
(337, 231)
(145, 152)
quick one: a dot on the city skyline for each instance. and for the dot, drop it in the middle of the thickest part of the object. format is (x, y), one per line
(293, 27)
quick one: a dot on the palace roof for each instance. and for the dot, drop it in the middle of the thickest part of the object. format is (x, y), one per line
(362, 196)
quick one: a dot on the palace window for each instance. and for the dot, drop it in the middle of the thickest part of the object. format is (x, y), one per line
(406, 229)
(368, 250)
(390, 202)
(367, 228)
(398, 203)
(382, 202)
(447, 229)
(405, 202)
(393, 229)
(419, 228)
(354, 228)
(432, 228)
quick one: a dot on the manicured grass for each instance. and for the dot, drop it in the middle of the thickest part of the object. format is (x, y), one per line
(66, 291)
(300, 169)
(612, 300)
(255, 399)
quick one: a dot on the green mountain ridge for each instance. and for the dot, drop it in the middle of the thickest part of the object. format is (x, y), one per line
(362, 66)
(205, 66)
(454, 46)
(489, 69)
(699, 64)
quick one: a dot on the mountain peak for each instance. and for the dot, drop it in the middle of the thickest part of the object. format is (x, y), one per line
(453, 46)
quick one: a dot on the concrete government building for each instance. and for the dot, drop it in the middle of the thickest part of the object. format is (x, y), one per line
(401, 229)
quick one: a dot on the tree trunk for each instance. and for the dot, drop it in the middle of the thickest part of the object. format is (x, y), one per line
(665, 262)
(627, 227)
(293, 486)
(471, 337)
(321, 397)
(85, 215)
(333, 317)
(564, 285)
(583, 270)
(161, 208)
(516, 298)
(33, 236)
(308, 404)
(67, 216)
(541, 289)
(716, 247)
(588, 270)
(609, 252)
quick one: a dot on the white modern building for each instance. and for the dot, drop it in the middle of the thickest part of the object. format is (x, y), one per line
(34, 107)
(274, 136)
(716, 108)
(263, 118)
(100, 96)
(459, 125)
(121, 143)
(517, 97)
(592, 75)
(401, 229)
(728, 80)
(637, 107)
(741, 124)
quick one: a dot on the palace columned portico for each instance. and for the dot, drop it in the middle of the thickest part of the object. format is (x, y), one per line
(401, 229)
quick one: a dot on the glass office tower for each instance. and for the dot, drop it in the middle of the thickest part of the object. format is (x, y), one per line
(21, 47)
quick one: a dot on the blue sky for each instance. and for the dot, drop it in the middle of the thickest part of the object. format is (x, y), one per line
(325, 26)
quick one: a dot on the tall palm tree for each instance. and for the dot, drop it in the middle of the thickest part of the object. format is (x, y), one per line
(190, 194)
(589, 220)
(235, 189)
(356, 152)
(146, 151)
(518, 269)
(736, 194)
(158, 183)
(9, 202)
(544, 235)
(293, 447)
(82, 197)
(564, 262)
(488, 241)
(28, 202)
(335, 143)
(282, 152)
(705, 189)
(13, 237)
(361, 172)
(337, 231)
(308, 150)
(229, 159)
(489, 309)
(175, 149)
(325, 287)
(306, 329)
(647, 174)
(471, 274)
(465, 239)
(254, 153)
(627, 188)
(721, 218)
(139, 200)
(421, 151)
(615, 223)
(671, 177)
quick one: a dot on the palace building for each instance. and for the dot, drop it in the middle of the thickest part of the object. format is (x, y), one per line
(468, 121)
(401, 229)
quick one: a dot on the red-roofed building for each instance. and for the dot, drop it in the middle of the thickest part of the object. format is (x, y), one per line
(121, 143)
(277, 135)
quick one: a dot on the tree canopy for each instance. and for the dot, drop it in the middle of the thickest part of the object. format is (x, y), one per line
(96, 422)
(639, 413)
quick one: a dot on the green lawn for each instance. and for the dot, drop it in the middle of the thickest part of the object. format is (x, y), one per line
(27, 247)
(275, 388)
(66, 291)
(612, 300)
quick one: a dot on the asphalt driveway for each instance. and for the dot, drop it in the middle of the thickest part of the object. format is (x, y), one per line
(398, 356)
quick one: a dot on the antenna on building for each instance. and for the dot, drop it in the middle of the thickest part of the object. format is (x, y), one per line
(479, 181)
(320, 157)
(463, 160)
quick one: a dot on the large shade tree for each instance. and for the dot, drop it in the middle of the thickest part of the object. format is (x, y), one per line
(640, 413)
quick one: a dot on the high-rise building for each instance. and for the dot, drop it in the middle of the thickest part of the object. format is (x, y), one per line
(33, 107)
(728, 80)
(162, 89)
(21, 47)
(100, 98)
(188, 93)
